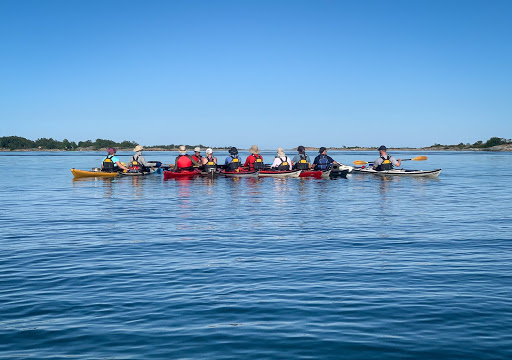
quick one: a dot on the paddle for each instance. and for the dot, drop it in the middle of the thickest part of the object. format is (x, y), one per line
(417, 158)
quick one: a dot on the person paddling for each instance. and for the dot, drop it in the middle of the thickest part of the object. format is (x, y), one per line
(323, 161)
(255, 160)
(137, 161)
(209, 161)
(111, 163)
(281, 161)
(184, 161)
(301, 161)
(385, 161)
(233, 162)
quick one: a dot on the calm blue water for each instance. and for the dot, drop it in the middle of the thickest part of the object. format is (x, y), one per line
(362, 268)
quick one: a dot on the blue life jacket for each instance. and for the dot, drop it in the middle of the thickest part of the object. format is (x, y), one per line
(323, 163)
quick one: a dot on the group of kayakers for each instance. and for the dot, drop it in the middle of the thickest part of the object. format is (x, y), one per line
(233, 162)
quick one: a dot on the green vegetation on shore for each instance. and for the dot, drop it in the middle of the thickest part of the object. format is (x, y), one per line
(21, 143)
(494, 141)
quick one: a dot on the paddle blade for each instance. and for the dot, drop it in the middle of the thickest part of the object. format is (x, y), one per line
(360, 162)
(420, 158)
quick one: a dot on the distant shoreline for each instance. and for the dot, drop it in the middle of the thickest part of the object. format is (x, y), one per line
(497, 148)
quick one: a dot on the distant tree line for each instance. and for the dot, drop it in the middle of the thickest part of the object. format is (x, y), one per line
(494, 141)
(17, 142)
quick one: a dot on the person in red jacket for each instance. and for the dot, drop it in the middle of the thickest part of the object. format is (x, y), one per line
(255, 160)
(184, 161)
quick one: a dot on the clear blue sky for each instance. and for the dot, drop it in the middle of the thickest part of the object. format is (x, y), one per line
(272, 73)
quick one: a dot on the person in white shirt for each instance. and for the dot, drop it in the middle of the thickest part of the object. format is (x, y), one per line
(281, 161)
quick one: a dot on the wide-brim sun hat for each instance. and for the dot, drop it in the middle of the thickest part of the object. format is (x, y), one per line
(197, 149)
(182, 149)
(254, 150)
(138, 148)
(280, 152)
(209, 151)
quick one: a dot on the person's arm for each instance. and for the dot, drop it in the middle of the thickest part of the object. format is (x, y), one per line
(396, 162)
(332, 160)
(274, 164)
(247, 162)
(290, 166)
(376, 163)
(215, 160)
(121, 166)
(194, 162)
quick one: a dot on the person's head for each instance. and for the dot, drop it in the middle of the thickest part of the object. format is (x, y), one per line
(182, 149)
(322, 150)
(209, 151)
(382, 149)
(280, 152)
(197, 150)
(301, 149)
(254, 150)
(138, 148)
(233, 151)
(111, 151)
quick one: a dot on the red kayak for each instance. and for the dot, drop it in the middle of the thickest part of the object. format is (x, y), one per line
(317, 174)
(183, 174)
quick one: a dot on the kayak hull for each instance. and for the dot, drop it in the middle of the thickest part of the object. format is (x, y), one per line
(280, 174)
(137, 173)
(80, 174)
(316, 174)
(401, 172)
(239, 174)
(180, 174)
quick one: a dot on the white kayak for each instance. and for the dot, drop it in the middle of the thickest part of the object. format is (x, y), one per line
(280, 174)
(349, 168)
(399, 172)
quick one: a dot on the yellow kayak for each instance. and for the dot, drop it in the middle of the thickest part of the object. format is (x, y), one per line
(84, 173)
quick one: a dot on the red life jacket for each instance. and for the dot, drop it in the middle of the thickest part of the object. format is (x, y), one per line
(184, 162)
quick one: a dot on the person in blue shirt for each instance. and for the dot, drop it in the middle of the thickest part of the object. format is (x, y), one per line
(233, 162)
(323, 161)
(111, 162)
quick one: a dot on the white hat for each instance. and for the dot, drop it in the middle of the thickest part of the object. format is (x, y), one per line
(254, 150)
(280, 152)
(182, 149)
(198, 149)
(138, 148)
(209, 151)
